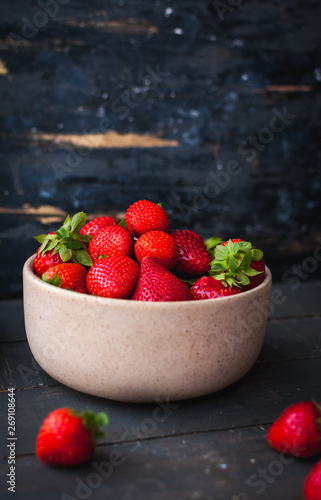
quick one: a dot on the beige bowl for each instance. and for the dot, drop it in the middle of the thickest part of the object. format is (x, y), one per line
(143, 351)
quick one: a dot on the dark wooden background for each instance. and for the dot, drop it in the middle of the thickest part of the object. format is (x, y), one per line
(106, 102)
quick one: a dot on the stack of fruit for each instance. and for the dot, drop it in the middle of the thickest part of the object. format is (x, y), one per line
(139, 258)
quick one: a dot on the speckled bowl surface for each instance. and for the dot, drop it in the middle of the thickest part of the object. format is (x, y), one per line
(143, 351)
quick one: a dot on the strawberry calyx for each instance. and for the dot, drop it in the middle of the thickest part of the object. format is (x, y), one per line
(68, 241)
(232, 263)
(92, 421)
(55, 280)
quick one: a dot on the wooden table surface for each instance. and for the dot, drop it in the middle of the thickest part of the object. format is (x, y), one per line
(213, 447)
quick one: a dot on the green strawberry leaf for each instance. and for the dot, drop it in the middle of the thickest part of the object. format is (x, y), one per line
(241, 246)
(41, 238)
(160, 204)
(55, 280)
(251, 272)
(83, 258)
(92, 422)
(233, 264)
(67, 222)
(77, 222)
(246, 261)
(123, 223)
(52, 244)
(242, 278)
(65, 253)
(257, 255)
(85, 238)
(62, 233)
(211, 243)
(221, 253)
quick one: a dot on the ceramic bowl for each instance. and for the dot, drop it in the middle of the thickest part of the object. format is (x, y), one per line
(143, 351)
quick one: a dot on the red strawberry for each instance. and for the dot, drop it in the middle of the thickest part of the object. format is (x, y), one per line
(144, 216)
(64, 245)
(208, 287)
(97, 224)
(257, 265)
(298, 430)
(158, 284)
(109, 240)
(115, 277)
(44, 260)
(158, 245)
(71, 276)
(194, 259)
(312, 484)
(67, 436)
(232, 264)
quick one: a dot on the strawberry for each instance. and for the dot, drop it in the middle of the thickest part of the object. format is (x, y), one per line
(97, 224)
(144, 216)
(158, 284)
(64, 245)
(44, 260)
(194, 259)
(115, 277)
(67, 436)
(208, 287)
(159, 245)
(109, 240)
(69, 275)
(312, 483)
(232, 264)
(297, 431)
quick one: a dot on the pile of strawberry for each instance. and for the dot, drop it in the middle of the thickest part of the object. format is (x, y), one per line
(139, 258)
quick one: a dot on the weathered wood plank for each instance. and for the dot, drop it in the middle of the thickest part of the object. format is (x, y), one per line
(258, 398)
(231, 464)
(12, 325)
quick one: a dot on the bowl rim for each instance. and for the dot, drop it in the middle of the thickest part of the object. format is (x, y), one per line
(28, 271)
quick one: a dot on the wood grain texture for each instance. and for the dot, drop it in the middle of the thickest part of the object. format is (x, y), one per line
(213, 89)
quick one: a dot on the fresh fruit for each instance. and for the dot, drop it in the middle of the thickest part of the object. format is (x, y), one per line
(44, 260)
(97, 224)
(143, 216)
(297, 431)
(232, 264)
(158, 284)
(67, 243)
(115, 277)
(69, 275)
(159, 245)
(109, 240)
(194, 259)
(67, 436)
(208, 287)
(312, 483)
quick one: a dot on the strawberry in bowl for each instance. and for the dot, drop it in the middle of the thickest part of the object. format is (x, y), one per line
(164, 315)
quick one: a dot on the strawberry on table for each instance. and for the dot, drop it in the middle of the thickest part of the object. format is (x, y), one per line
(97, 224)
(158, 284)
(67, 437)
(69, 275)
(109, 240)
(312, 483)
(297, 431)
(193, 260)
(208, 287)
(65, 245)
(115, 277)
(159, 245)
(143, 216)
